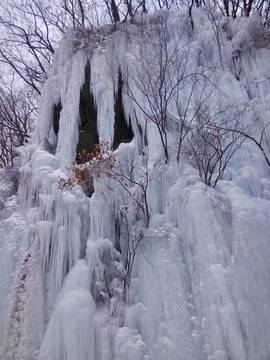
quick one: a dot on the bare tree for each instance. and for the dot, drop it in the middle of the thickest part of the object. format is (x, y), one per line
(124, 10)
(169, 4)
(160, 82)
(198, 89)
(26, 42)
(112, 9)
(133, 7)
(16, 120)
(32, 30)
(241, 8)
(131, 237)
(75, 11)
(260, 140)
(214, 139)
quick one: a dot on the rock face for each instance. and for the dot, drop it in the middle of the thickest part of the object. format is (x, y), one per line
(155, 264)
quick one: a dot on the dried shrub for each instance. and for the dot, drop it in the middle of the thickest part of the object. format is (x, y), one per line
(89, 167)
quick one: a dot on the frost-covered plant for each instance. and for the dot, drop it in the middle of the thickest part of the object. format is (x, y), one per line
(113, 270)
(251, 34)
(108, 271)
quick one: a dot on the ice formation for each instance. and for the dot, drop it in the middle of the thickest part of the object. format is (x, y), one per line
(154, 264)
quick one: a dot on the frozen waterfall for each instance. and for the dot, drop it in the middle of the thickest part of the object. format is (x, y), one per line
(152, 263)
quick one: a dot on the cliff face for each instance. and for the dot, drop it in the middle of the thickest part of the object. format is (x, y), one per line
(151, 263)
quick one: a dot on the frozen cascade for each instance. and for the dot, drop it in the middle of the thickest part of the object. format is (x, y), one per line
(198, 287)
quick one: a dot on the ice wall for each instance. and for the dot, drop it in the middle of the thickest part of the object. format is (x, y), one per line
(199, 285)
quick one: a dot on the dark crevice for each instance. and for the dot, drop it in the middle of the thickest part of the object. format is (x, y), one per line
(88, 135)
(122, 131)
(117, 233)
(56, 117)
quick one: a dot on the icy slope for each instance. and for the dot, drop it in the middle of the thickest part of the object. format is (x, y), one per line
(155, 264)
